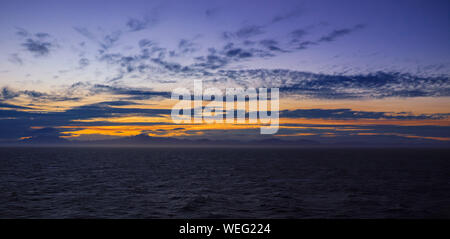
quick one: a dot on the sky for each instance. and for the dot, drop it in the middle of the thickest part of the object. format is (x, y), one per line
(348, 71)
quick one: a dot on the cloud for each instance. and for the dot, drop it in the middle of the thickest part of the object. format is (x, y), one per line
(39, 48)
(50, 122)
(213, 66)
(83, 62)
(6, 105)
(153, 58)
(15, 124)
(271, 44)
(238, 52)
(187, 46)
(150, 57)
(249, 31)
(133, 93)
(245, 32)
(39, 44)
(211, 61)
(22, 32)
(220, 58)
(110, 39)
(281, 17)
(240, 47)
(8, 94)
(298, 35)
(23, 120)
(42, 35)
(118, 103)
(85, 32)
(157, 63)
(211, 12)
(15, 59)
(78, 91)
(305, 44)
(332, 36)
(145, 43)
(135, 24)
(373, 85)
(349, 114)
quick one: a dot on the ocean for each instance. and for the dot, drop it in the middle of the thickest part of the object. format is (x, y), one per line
(202, 182)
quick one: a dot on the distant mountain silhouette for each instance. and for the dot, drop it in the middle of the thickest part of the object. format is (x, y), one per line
(49, 136)
(144, 139)
(45, 136)
(45, 140)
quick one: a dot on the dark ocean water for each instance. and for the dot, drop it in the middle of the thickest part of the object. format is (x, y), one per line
(224, 183)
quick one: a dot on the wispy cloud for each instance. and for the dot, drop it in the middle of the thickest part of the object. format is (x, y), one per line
(245, 32)
(85, 33)
(15, 59)
(300, 44)
(39, 44)
(332, 36)
(296, 12)
(135, 24)
(83, 62)
(8, 94)
(138, 24)
(211, 12)
(351, 114)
